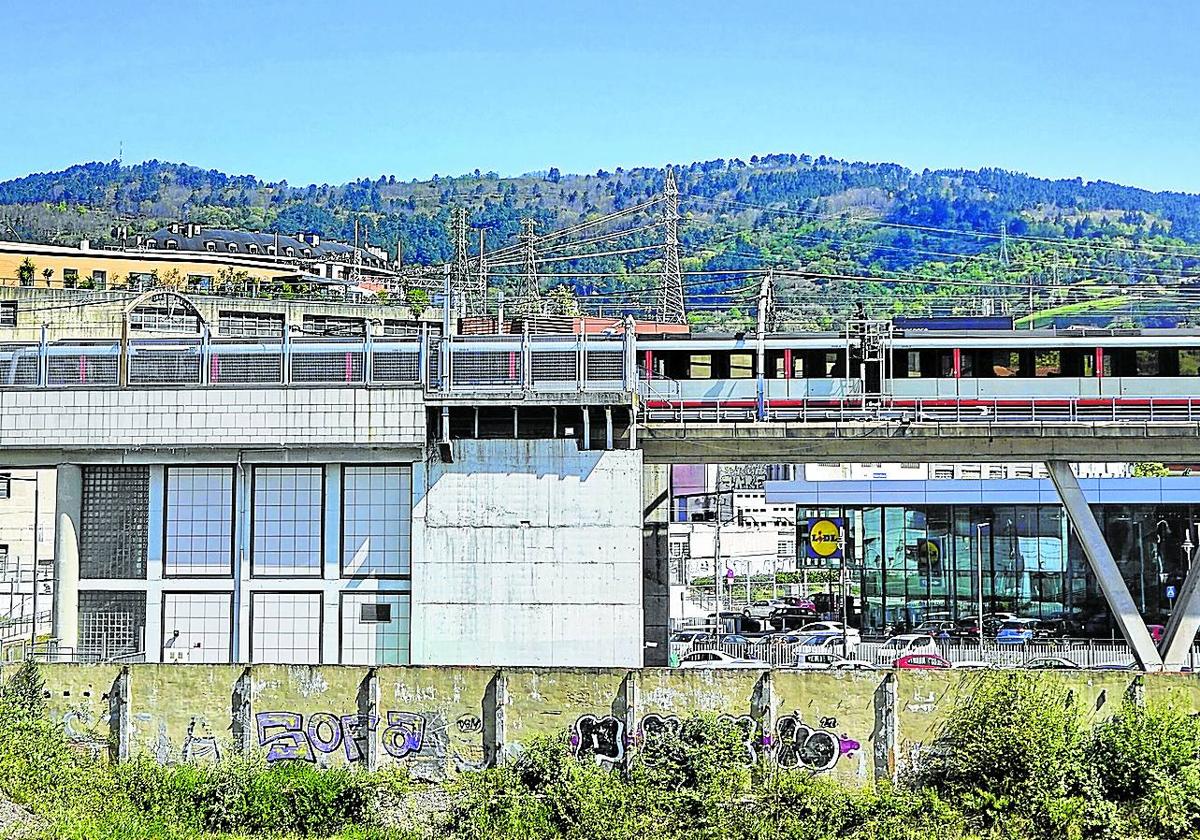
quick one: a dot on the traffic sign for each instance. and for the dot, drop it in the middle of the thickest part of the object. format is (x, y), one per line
(1170, 593)
(825, 538)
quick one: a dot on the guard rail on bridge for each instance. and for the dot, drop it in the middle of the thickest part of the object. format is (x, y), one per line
(475, 364)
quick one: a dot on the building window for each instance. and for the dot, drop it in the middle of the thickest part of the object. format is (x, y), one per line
(99, 279)
(151, 244)
(161, 319)
(375, 628)
(271, 250)
(338, 325)
(114, 522)
(140, 280)
(210, 245)
(252, 248)
(291, 252)
(201, 623)
(70, 278)
(5, 487)
(8, 313)
(376, 520)
(232, 247)
(262, 324)
(111, 623)
(943, 472)
(199, 532)
(287, 521)
(172, 245)
(285, 627)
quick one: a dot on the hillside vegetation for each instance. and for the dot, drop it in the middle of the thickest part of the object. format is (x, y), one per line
(931, 239)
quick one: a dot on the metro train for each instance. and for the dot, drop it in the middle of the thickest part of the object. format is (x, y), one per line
(1003, 374)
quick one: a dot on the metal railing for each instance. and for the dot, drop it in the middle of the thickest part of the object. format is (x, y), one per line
(1084, 653)
(462, 363)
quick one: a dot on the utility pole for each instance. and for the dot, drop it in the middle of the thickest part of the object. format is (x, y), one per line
(670, 309)
(1004, 244)
(718, 572)
(481, 283)
(528, 298)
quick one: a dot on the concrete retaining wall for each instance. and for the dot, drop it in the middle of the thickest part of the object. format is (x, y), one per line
(439, 721)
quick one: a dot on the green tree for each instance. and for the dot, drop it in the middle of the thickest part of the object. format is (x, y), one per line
(417, 301)
(1150, 469)
(25, 272)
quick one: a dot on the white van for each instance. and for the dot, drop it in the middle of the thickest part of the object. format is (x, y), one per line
(903, 645)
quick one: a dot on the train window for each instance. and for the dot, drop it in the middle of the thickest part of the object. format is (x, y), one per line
(1006, 363)
(798, 366)
(741, 365)
(1047, 363)
(946, 364)
(1189, 362)
(1108, 363)
(914, 364)
(966, 365)
(1146, 362)
(700, 366)
(831, 364)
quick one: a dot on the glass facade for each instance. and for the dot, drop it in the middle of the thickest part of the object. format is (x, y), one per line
(917, 563)
(376, 520)
(288, 504)
(199, 527)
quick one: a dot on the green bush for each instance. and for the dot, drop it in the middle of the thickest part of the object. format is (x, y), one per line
(1147, 760)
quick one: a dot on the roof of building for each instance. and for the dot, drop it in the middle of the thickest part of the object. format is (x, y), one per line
(194, 237)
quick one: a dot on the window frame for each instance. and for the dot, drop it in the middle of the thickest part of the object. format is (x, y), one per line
(320, 571)
(227, 575)
(341, 519)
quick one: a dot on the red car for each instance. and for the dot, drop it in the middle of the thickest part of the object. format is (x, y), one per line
(1156, 632)
(921, 662)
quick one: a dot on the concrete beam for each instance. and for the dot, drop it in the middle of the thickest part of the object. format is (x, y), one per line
(776, 442)
(1104, 567)
(1184, 622)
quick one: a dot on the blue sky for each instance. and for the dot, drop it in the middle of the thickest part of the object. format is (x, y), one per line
(326, 92)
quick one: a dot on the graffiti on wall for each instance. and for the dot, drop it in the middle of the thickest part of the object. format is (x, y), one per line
(600, 738)
(794, 745)
(402, 734)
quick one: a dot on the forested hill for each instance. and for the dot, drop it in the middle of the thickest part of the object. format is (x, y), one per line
(817, 214)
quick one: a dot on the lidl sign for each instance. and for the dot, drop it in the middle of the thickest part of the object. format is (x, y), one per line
(825, 539)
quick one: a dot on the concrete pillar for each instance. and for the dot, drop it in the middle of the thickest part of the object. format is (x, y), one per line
(156, 538)
(1104, 567)
(886, 736)
(68, 510)
(331, 566)
(656, 590)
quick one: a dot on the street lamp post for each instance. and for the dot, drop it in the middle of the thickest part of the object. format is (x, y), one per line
(979, 575)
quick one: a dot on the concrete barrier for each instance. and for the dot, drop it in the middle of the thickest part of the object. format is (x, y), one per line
(436, 722)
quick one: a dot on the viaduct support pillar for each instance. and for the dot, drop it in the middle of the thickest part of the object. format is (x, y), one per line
(68, 509)
(1104, 567)
(1184, 622)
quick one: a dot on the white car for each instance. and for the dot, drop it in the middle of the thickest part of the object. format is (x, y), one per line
(763, 609)
(717, 659)
(808, 661)
(823, 641)
(825, 628)
(903, 645)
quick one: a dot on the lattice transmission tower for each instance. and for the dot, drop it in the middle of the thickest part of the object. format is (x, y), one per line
(462, 284)
(670, 308)
(529, 299)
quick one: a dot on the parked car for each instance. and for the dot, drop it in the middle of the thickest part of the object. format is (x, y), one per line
(937, 629)
(687, 637)
(823, 627)
(781, 639)
(1114, 666)
(800, 602)
(1052, 663)
(972, 664)
(825, 641)
(903, 645)
(717, 659)
(1156, 632)
(791, 618)
(1018, 631)
(820, 661)
(734, 639)
(762, 609)
(922, 662)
